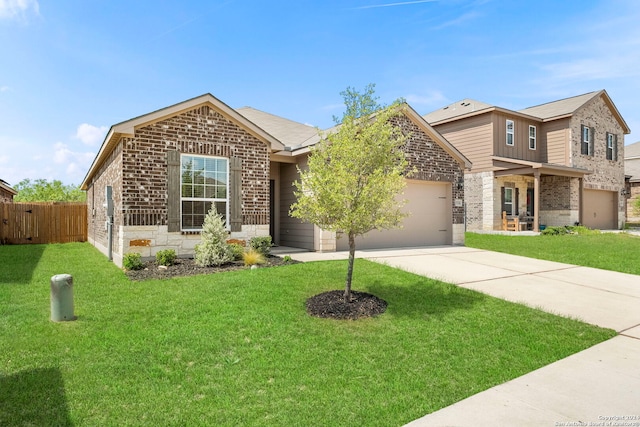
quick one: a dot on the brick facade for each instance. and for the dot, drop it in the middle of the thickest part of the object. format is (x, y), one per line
(433, 163)
(137, 171)
(5, 196)
(606, 174)
(632, 200)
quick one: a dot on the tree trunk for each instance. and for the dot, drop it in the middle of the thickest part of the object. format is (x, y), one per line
(352, 253)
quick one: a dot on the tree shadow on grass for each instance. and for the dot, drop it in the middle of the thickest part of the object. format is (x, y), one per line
(34, 397)
(19, 262)
(424, 298)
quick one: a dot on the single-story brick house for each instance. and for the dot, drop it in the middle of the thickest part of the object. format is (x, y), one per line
(167, 168)
(6, 192)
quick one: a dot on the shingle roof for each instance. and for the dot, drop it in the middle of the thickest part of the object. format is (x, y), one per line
(287, 131)
(5, 185)
(559, 108)
(632, 150)
(458, 108)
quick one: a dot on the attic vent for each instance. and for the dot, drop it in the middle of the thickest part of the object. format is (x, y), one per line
(445, 107)
(465, 104)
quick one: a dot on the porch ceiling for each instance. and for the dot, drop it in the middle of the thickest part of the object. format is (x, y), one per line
(506, 166)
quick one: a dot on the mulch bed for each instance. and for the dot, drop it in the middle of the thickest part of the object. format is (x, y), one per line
(187, 267)
(331, 305)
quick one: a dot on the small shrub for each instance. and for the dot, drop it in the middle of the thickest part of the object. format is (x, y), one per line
(213, 250)
(581, 229)
(577, 229)
(132, 261)
(253, 257)
(287, 259)
(555, 231)
(166, 257)
(261, 244)
(237, 250)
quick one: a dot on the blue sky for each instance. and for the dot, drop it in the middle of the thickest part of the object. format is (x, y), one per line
(71, 69)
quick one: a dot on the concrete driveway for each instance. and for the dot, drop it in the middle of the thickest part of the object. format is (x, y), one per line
(597, 386)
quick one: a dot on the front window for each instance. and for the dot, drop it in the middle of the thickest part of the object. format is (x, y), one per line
(510, 128)
(532, 137)
(611, 146)
(586, 141)
(508, 200)
(203, 183)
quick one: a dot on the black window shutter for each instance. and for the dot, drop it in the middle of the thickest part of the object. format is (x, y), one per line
(515, 206)
(235, 196)
(615, 147)
(504, 207)
(173, 190)
(592, 135)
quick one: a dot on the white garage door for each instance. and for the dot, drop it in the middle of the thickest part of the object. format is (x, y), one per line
(600, 209)
(429, 222)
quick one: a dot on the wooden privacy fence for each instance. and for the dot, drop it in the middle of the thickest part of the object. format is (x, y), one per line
(23, 223)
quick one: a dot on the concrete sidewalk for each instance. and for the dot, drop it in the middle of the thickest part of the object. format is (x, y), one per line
(602, 381)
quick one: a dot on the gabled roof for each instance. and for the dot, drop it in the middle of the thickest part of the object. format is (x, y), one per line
(5, 186)
(459, 108)
(287, 131)
(632, 161)
(415, 118)
(567, 107)
(560, 108)
(420, 121)
(128, 127)
(545, 112)
(632, 151)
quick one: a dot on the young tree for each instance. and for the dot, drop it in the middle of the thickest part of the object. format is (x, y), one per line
(42, 190)
(355, 173)
(213, 250)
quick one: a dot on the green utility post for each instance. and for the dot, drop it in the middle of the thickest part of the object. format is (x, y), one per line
(62, 298)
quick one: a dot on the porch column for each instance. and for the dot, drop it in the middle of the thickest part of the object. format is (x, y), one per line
(536, 200)
(580, 200)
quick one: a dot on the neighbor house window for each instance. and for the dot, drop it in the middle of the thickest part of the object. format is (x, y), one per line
(586, 146)
(510, 127)
(612, 147)
(508, 200)
(204, 183)
(532, 137)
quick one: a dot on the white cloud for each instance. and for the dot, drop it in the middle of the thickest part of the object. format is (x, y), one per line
(433, 98)
(76, 163)
(462, 19)
(11, 9)
(91, 135)
(4, 88)
(404, 3)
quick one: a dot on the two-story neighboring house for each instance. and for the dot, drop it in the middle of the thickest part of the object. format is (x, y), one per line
(558, 163)
(632, 171)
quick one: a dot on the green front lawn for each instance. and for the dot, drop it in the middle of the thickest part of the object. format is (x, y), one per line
(237, 348)
(608, 251)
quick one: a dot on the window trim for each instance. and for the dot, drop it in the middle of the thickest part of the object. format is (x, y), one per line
(586, 140)
(611, 146)
(512, 191)
(533, 138)
(510, 132)
(213, 200)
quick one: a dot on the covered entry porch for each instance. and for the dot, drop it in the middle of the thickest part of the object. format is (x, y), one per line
(535, 193)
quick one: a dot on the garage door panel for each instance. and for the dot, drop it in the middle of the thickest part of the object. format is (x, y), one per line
(600, 209)
(428, 224)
